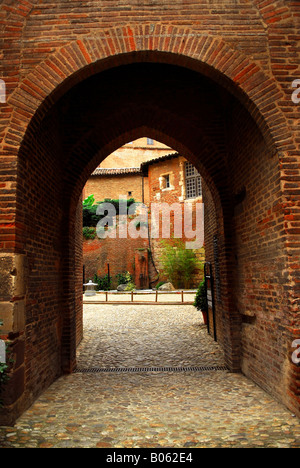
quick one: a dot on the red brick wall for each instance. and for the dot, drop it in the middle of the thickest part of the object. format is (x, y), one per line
(79, 273)
(118, 253)
(178, 73)
(259, 255)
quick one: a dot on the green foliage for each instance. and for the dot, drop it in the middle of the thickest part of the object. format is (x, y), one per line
(104, 282)
(130, 287)
(119, 204)
(201, 298)
(160, 284)
(178, 263)
(88, 202)
(90, 217)
(89, 233)
(3, 374)
(124, 278)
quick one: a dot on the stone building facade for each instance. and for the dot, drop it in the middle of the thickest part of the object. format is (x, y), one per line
(216, 81)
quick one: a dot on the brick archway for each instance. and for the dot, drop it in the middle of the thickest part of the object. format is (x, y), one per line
(209, 55)
(68, 68)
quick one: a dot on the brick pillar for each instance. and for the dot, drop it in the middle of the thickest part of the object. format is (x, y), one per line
(13, 273)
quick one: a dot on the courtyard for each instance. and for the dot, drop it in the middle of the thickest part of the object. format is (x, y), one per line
(151, 376)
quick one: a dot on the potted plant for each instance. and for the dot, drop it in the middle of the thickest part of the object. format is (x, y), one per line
(201, 301)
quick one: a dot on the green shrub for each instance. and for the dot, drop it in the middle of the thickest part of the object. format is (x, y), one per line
(104, 282)
(178, 263)
(124, 278)
(89, 207)
(125, 204)
(89, 232)
(201, 298)
(160, 284)
(130, 287)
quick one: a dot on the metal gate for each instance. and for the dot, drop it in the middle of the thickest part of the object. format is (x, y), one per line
(209, 285)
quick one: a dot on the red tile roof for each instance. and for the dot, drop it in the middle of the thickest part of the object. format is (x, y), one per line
(133, 170)
(118, 171)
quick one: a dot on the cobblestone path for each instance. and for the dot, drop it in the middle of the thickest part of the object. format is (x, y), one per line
(151, 409)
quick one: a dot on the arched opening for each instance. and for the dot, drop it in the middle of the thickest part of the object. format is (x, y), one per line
(147, 173)
(146, 266)
(199, 118)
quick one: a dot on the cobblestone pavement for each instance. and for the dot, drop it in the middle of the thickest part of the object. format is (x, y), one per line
(151, 409)
(124, 336)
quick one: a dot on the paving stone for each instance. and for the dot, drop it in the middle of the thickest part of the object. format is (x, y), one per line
(152, 409)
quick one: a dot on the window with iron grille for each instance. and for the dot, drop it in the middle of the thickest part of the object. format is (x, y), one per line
(193, 186)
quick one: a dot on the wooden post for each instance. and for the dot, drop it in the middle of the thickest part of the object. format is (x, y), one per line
(182, 299)
(156, 296)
